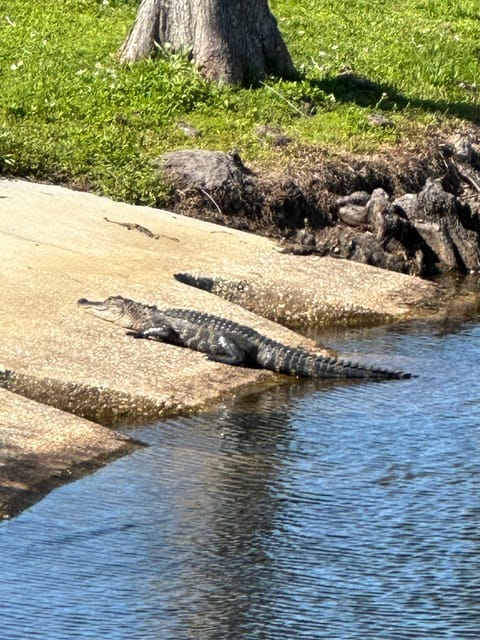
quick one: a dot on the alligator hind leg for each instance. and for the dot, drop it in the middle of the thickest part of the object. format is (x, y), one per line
(227, 352)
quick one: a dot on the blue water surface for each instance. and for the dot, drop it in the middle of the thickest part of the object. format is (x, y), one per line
(311, 511)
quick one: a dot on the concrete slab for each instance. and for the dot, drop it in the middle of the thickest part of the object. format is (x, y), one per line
(42, 447)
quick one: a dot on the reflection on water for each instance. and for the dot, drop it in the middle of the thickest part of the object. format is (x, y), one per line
(314, 510)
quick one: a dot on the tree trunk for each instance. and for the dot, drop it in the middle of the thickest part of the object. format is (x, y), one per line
(235, 41)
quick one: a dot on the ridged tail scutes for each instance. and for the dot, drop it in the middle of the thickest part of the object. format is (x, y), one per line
(357, 370)
(297, 362)
(200, 282)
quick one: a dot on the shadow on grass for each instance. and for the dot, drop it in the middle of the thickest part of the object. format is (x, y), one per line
(348, 87)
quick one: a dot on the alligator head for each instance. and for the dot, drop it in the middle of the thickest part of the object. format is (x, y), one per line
(122, 311)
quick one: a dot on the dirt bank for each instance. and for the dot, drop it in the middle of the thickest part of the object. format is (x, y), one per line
(412, 208)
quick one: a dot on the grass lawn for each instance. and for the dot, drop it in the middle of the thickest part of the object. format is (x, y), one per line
(69, 112)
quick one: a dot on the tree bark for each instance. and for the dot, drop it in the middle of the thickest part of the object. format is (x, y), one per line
(233, 41)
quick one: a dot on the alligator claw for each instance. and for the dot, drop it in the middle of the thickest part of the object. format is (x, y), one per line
(135, 334)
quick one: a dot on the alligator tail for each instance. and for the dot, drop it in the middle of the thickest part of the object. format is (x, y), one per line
(200, 282)
(297, 362)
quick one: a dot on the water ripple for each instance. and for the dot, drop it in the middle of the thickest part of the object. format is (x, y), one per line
(312, 511)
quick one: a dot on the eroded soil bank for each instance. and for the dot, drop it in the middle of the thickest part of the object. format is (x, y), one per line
(413, 208)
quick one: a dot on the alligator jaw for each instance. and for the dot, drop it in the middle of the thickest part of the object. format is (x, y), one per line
(110, 309)
(87, 304)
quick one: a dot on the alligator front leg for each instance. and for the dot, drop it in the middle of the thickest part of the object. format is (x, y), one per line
(164, 333)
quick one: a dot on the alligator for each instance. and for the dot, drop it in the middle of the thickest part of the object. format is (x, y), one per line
(228, 289)
(226, 341)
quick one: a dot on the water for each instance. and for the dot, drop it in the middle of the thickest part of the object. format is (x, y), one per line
(311, 511)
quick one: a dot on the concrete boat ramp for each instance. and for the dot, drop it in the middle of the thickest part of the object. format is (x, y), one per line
(63, 373)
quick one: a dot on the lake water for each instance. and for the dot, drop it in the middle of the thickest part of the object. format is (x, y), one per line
(311, 511)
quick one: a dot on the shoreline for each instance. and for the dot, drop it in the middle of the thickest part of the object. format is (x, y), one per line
(59, 245)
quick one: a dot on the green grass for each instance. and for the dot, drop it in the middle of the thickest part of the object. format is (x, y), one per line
(69, 112)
